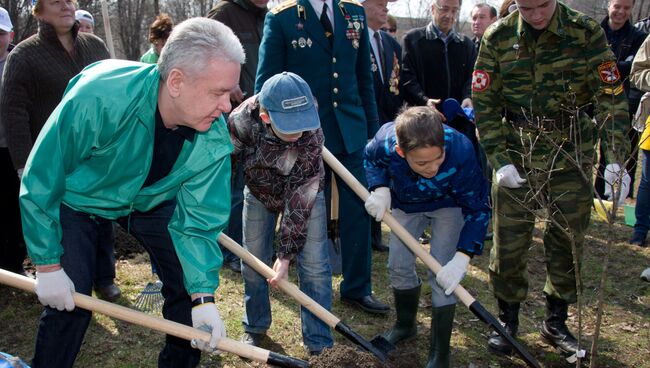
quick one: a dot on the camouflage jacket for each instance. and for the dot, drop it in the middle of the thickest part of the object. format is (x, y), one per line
(532, 95)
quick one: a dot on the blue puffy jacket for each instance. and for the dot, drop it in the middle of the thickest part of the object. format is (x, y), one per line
(458, 183)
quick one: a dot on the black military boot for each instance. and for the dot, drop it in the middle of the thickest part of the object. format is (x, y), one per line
(554, 329)
(509, 317)
(442, 322)
(406, 308)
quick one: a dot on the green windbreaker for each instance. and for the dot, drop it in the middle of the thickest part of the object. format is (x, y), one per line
(94, 154)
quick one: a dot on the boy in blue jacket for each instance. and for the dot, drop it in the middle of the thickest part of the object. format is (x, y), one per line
(430, 174)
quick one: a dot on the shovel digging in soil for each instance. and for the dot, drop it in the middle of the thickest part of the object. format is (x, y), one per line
(461, 293)
(160, 324)
(379, 346)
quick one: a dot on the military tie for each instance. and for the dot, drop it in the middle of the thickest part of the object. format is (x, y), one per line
(380, 51)
(325, 21)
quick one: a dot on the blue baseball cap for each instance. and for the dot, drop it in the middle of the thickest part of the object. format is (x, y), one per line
(290, 103)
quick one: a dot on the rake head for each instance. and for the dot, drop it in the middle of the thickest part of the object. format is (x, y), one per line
(150, 299)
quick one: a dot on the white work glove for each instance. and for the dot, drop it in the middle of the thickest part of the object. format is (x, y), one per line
(55, 289)
(378, 202)
(453, 272)
(508, 177)
(615, 174)
(206, 317)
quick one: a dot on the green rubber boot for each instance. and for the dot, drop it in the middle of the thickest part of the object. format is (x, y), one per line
(406, 308)
(442, 321)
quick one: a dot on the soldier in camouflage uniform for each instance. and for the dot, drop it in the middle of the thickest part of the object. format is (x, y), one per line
(541, 75)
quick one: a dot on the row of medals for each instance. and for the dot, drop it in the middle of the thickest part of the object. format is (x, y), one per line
(353, 32)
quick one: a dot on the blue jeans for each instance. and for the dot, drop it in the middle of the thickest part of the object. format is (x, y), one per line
(61, 333)
(314, 271)
(446, 224)
(642, 209)
(234, 229)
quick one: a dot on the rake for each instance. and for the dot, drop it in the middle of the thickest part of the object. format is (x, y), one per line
(150, 299)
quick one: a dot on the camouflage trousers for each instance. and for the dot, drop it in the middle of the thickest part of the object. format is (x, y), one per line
(563, 196)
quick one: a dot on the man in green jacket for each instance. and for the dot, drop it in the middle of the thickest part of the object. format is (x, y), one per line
(145, 146)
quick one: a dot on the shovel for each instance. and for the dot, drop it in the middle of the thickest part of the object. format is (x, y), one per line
(333, 239)
(379, 346)
(408, 240)
(160, 324)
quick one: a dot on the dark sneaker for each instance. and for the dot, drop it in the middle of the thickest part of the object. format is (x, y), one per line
(638, 239)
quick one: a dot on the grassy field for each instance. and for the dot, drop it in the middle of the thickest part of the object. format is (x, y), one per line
(625, 336)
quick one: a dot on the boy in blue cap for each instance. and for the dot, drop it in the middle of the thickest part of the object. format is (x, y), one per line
(433, 177)
(279, 132)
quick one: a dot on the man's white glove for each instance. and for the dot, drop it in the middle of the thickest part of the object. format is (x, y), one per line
(378, 202)
(615, 174)
(508, 177)
(55, 289)
(206, 317)
(453, 272)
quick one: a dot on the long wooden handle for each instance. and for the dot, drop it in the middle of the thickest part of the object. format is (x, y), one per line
(107, 29)
(142, 319)
(395, 226)
(335, 200)
(289, 288)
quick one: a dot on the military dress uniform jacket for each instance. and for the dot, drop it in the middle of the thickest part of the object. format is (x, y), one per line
(339, 75)
(389, 100)
(518, 79)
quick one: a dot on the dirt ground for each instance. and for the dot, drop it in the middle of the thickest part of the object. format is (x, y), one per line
(346, 356)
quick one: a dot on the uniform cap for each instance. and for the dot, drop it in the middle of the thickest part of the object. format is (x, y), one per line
(290, 103)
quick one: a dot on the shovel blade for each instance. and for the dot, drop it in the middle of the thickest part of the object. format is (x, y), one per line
(488, 318)
(382, 344)
(380, 350)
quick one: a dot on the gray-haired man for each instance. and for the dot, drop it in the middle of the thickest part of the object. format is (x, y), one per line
(145, 146)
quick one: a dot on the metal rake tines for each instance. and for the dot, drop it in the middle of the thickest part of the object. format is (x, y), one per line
(150, 299)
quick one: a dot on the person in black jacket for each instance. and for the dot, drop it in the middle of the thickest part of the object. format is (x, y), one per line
(624, 40)
(437, 61)
(437, 64)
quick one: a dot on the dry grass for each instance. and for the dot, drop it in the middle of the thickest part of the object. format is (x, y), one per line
(625, 332)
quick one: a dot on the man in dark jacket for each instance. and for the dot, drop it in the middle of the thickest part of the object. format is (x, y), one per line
(624, 40)
(246, 19)
(437, 61)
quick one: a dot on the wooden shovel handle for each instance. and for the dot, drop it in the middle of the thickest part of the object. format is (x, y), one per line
(287, 287)
(142, 319)
(395, 226)
(334, 212)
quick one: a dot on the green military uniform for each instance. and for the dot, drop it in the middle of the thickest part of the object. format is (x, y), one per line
(535, 93)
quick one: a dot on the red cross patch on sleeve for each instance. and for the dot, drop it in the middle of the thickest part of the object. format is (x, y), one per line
(480, 80)
(608, 72)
